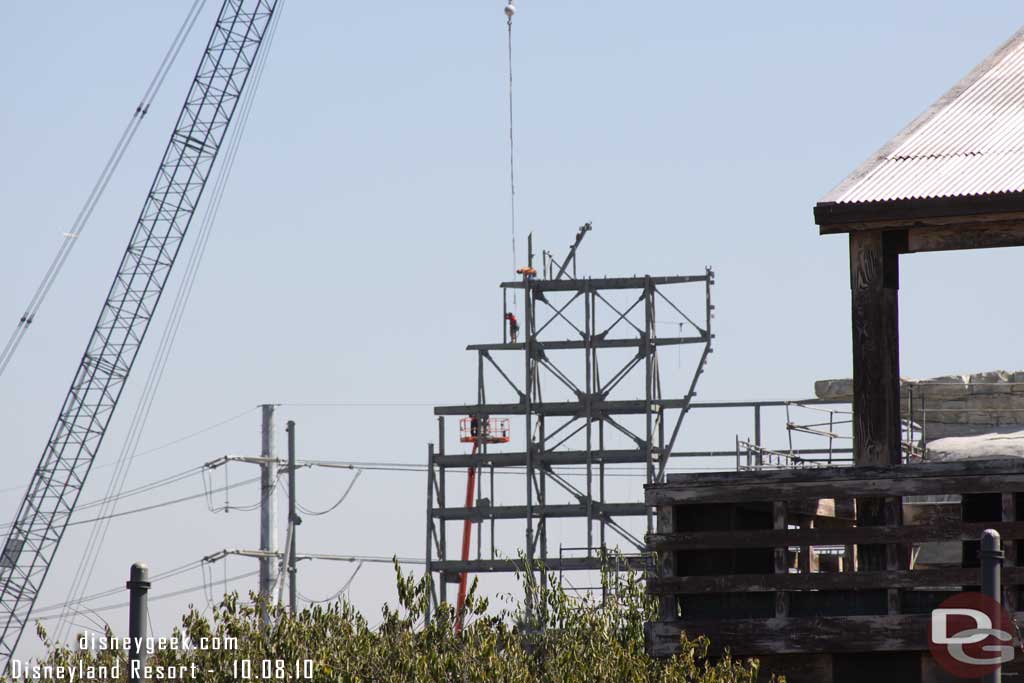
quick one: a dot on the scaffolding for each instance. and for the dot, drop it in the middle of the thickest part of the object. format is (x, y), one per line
(830, 428)
(616, 403)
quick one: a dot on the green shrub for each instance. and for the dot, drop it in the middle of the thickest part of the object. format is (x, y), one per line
(561, 639)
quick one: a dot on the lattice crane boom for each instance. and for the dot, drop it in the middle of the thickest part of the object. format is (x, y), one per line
(128, 310)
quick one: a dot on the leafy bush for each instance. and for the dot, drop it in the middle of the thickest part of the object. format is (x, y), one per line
(562, 639)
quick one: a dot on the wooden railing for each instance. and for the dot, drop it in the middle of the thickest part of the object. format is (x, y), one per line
(885, 608)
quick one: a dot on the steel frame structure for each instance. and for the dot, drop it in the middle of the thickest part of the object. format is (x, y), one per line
(127, 311)
(571, 433)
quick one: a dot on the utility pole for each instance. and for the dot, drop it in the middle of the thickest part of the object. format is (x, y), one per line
(991, 585)
(268, 507)
(138, 617)
(293, 521)
(279, 568)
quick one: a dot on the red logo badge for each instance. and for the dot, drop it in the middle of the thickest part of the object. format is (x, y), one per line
(970, 634)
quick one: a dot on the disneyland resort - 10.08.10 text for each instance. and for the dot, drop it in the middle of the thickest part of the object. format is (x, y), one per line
(91, 641)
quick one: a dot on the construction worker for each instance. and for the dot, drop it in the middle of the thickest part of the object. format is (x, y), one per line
(513, 326)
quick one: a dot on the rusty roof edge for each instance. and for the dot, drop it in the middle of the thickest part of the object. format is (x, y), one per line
(879, 156)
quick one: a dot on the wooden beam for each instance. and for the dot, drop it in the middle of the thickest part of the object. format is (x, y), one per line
(773, 538)
(824, 475)
(1004, 234)
(779, 519)
(745, 637)
(786, 583)
(668, 606)
(1009, 515)
(874, 284)
(962, 478)
(834, 218)
(970, 222)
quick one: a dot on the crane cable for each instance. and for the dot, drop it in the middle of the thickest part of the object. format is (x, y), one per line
(130, 446)
(109, 169)
(510, 10)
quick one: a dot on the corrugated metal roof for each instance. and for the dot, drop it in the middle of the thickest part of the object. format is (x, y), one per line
(970, 142)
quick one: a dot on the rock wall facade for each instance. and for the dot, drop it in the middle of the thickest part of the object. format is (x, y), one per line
(953, 405)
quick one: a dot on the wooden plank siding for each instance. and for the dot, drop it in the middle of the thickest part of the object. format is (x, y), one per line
(999, 475)
(774, 538)
(755, 591)
(863, 580)
(750, 637)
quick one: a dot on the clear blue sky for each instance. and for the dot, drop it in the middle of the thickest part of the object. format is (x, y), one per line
(365, 225)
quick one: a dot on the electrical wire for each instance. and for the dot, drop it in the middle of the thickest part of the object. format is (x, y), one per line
(334, 507)
(357, 404)
(100, 186)
(278, 481)
(165, 596)
(155, 449)
(155, 506)
(340, 590)
(170, 573)
(358, 467)
(144, 488)
(194, 434)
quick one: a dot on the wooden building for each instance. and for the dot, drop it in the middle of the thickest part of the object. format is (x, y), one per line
(814, 570)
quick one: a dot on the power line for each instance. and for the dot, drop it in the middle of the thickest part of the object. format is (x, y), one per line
(100, 186)
(170, 573)
(156, 449)
(356, 404)
(334, 507)
(194, 434)
(156, 506)
(359, 467)
(340, 590)
(145, 488)
(174, 594)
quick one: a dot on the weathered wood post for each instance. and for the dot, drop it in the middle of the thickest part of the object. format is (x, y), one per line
(874, 285)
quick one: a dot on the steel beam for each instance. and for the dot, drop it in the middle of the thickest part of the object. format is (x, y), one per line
(595, 342)
(635, 562)
(605, 283)
(521, 511)
(562, 408)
